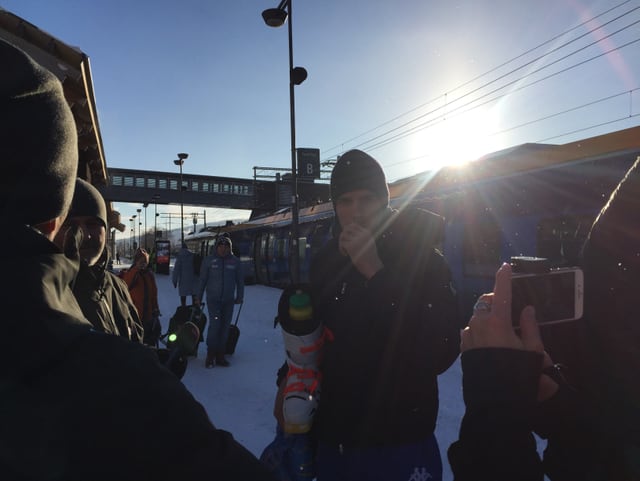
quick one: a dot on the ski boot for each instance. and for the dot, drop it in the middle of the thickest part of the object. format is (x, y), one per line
(304, 337)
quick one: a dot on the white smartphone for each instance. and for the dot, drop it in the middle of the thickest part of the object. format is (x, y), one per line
(556, 295)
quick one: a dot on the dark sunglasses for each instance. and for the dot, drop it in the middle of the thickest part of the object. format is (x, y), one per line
(223, 244)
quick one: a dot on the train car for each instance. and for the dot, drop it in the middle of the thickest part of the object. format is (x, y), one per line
(544, 207)
(536, 200)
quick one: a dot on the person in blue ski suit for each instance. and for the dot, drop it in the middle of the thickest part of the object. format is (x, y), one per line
(221, 275)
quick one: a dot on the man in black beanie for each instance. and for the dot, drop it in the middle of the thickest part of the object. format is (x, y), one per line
(103, 296)
(77, 403)
(384, 290)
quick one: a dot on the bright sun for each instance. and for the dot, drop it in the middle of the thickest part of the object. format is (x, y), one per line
(456, 140)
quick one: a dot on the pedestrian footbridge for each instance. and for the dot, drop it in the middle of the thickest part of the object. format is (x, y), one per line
(154, 187)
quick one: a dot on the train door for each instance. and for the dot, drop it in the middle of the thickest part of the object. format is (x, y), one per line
(261, 256)
(280, 271)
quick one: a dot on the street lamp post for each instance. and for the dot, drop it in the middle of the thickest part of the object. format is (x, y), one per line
(133, 234)
(179, 161)
(139, 224)
(155, 218)
(145, 205)
(275, 17)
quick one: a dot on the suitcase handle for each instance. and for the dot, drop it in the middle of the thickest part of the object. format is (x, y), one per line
(238, 315)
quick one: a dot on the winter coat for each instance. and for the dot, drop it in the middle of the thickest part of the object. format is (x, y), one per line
(496, 441)
(222, 278)
(144, 291)
(183, 275)
(80, 404)
(392, 334)
(106, 303)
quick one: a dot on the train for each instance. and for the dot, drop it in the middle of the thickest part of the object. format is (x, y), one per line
(535, 200)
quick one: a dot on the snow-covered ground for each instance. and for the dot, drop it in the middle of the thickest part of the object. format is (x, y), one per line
(240, 398)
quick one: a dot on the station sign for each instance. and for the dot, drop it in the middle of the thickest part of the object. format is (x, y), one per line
(308, 164)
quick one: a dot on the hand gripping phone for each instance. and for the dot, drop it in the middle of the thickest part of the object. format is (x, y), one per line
(556, 294)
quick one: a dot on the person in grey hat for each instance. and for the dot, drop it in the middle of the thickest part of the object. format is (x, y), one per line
(77, 403)
(384, 291)
(103, 297)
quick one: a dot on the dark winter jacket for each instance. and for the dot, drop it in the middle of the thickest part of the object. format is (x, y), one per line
(77, 404)
(106, 303)
(496, 441)
(222, 278)
(392, 336)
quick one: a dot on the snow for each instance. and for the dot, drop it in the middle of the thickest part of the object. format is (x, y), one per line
(240, 398)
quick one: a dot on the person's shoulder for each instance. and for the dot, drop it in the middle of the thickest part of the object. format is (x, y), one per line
(129, 363)
(417, 226)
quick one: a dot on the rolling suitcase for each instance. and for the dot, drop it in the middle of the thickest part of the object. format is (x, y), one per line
(234, 335)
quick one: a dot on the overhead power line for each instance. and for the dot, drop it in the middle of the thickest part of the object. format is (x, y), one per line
(409, 129)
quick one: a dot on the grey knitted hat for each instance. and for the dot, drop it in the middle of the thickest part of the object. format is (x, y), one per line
(38, 141)
(88, 201)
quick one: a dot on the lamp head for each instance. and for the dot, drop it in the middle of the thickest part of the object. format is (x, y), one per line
(183, 156)
(298, 75)
(274, 17)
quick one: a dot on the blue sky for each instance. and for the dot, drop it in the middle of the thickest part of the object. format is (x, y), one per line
(416, 83)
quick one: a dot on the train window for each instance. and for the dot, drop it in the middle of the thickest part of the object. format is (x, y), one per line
(481, 248)
(560, 239)
(173, 184)
(280, 249)
(162, 183)
(116, 180)
(195, 186)
(140, 181)
(151, 182)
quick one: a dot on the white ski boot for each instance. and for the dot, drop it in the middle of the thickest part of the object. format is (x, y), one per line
(303, 337)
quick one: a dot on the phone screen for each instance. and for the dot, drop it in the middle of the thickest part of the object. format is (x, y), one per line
(556, 296)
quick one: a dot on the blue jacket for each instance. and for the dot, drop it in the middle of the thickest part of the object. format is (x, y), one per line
(183, 275)
(223, 279)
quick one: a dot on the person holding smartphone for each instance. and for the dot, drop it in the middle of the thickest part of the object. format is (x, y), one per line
(589, 411)
(503, 381)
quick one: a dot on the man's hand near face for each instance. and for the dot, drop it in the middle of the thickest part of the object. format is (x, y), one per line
(358, 243)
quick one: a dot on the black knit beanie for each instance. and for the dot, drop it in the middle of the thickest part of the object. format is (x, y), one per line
(356, 170)
(88, 201)
(38, 141)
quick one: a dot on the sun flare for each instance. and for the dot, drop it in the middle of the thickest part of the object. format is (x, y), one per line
(456, 140)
